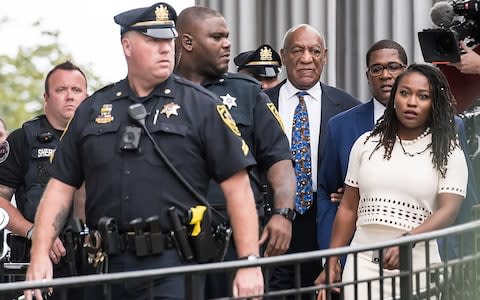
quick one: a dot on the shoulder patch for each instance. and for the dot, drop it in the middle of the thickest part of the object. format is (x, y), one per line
(4, 151)
(275, 113)
(227, 119)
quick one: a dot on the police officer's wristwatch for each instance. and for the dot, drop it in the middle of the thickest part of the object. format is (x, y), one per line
(288, 213)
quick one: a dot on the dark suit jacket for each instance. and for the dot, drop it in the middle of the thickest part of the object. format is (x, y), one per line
(333, 100)
(342, 132)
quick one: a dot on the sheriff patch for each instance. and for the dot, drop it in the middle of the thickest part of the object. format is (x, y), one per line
(4, 151)
(275, 113)
(43, 152)
(227, 119)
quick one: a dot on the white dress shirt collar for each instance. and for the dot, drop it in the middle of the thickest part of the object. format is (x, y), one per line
(378, 110)
(315, 92)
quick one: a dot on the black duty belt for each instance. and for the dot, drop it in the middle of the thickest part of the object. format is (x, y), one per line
(147, 243)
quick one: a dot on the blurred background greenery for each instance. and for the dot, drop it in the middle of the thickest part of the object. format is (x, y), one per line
(22, 76)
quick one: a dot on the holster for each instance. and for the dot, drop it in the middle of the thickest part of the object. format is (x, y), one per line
(72, 247)
(211, 244)
(19, 248)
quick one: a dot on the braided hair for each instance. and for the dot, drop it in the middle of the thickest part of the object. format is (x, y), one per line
(441, 121)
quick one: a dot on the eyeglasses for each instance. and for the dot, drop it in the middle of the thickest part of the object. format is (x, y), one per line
(392, 68)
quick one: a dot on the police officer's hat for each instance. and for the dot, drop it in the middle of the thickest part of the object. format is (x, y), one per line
(157, 21)
(264, 62)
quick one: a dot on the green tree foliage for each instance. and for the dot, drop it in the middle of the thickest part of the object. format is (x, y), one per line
(22, 76)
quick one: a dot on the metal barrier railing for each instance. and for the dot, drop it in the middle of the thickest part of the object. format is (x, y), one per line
(456, 278)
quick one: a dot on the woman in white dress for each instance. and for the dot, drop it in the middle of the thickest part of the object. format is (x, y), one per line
(407, 176)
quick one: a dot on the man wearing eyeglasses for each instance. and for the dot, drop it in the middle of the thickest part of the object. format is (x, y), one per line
(385, 60)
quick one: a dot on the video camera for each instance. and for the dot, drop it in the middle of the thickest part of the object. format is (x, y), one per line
(456, 21)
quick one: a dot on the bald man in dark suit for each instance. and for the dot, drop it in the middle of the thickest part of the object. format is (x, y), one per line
(304, 55)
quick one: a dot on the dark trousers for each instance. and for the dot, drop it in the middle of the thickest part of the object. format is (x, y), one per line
(220, 284)
(171, 287)
(304, 238)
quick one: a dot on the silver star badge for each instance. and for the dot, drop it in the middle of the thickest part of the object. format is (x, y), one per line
(229, 101)
(170, 109)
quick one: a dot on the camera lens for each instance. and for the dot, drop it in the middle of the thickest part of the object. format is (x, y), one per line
(128, 137)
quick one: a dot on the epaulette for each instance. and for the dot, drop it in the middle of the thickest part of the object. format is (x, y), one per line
(109, 92)
(103, 89)
(34, 119)
(193, 85)
(242, 76)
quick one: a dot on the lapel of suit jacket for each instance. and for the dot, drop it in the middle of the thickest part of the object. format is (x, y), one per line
(365, 120)
(274, 93)
(330, 107)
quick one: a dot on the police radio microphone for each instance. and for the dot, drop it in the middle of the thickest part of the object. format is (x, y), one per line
(138, 113)
(442, 14)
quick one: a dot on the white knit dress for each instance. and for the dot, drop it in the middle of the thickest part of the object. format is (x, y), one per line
(396, 195)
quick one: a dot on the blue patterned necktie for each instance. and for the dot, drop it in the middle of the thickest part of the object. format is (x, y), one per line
(302, 155)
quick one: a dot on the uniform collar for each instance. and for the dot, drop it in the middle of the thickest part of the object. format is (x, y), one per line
(215, 81)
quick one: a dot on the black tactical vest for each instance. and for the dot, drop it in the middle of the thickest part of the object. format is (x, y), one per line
(42, 140)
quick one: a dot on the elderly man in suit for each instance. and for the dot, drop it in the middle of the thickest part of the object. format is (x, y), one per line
(302, 100)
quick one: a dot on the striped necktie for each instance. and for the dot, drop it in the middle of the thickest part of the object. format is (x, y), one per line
(302, 155)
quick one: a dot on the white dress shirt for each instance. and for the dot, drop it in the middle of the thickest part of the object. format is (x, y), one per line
(378, 110)
(287, 102)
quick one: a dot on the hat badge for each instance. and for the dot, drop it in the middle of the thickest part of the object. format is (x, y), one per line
(266, 53)
(161, 13)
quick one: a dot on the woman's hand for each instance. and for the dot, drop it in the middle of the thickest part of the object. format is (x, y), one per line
(334, 275)
(391, 258)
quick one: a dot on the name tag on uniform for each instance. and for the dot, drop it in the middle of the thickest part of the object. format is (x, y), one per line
(43, 152)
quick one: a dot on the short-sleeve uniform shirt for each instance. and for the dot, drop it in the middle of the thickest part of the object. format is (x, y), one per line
(189, 124)
(258, 121)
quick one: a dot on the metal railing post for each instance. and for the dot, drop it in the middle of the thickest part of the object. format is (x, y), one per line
(406, 272)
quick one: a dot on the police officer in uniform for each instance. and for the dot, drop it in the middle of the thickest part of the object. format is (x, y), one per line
(264, 64)
(25, 159)
(110, 144)
(203, 51)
